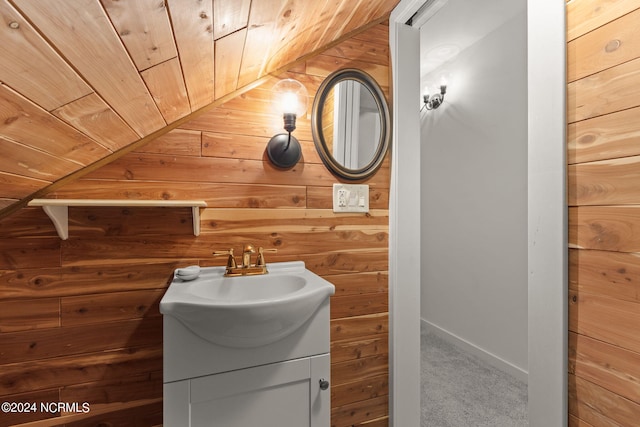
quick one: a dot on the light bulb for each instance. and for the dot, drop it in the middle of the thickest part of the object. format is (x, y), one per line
(290, 97)
(289, 103)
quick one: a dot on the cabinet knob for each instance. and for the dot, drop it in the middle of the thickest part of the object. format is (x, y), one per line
(324, 384)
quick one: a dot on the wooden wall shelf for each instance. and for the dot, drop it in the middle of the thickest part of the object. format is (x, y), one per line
(58, 209)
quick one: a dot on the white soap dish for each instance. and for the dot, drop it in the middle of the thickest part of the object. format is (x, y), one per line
(188, 273)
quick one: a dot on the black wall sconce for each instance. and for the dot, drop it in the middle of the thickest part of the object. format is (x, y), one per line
(290, 99)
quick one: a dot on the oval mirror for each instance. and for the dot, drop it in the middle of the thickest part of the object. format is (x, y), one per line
(351, 124)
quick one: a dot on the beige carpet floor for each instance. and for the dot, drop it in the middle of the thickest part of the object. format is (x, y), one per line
(460, 390)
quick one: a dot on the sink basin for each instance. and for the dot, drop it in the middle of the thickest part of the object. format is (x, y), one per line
(246, 311)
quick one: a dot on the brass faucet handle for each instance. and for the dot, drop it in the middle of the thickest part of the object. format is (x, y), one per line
(260, 261)
(231, 261)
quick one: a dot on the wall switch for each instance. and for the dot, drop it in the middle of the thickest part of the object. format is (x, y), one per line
(350, 198)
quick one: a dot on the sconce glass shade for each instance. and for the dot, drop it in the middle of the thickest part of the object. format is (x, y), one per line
(290, 96)
(290, 99)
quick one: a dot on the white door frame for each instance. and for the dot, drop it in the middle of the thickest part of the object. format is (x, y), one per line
(404, 224)
(547, 218)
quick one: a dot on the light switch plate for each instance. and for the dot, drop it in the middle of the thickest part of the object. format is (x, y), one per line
(350, 198)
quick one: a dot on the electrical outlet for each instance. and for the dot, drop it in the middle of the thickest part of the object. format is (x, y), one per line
(350, 198)
(343, 198)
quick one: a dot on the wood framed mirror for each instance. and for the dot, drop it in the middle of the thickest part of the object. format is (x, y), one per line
(351, 124)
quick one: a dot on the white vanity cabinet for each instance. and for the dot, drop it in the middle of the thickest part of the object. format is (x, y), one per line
(283, 383)
(275, 395)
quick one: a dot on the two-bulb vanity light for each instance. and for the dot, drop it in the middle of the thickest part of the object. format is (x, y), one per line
(290, 99)
(432, 99)
(431, 102)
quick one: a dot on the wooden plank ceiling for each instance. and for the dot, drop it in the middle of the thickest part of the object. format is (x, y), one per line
(82, 79)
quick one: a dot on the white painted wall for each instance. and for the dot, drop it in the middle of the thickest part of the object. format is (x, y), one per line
(547, 222)
(474, 199)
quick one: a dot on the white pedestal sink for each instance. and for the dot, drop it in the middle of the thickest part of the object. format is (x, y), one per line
(235, 346)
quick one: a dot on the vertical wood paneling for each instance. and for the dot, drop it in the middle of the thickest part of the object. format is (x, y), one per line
(229, 16)
(145, 30)
(20, 121)
(119, 71)
(88, 327)
(167, 88)
(604, 216)
(67, 25)
(337, 20)
(24, 160)
(228, 60)
(35, 69)
(192, 22)
(93, 117)
(296, 43)
(6, 202)
(261, 37)
(20, 186)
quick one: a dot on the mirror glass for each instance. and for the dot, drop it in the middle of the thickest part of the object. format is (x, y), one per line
(350, 123)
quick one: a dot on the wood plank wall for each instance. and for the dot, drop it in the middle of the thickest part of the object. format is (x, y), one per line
(79, 319)
(604, 212)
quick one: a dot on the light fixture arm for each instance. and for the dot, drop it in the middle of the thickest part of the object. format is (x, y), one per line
(289, 126)
(284, 149)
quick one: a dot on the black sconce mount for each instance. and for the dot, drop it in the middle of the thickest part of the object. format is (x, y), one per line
(284, 149)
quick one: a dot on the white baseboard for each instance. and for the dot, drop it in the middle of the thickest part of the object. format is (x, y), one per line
(480, 353)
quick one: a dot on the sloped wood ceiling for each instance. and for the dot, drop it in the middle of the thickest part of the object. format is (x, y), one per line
(81, 80)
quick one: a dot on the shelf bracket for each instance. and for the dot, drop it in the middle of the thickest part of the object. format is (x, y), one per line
(196, 219)
(60, 217)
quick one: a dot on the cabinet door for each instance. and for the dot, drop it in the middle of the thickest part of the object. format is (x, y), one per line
(276, 395)
(320, 396)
